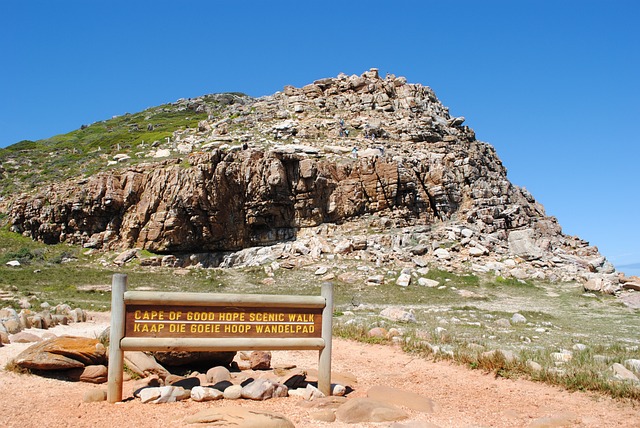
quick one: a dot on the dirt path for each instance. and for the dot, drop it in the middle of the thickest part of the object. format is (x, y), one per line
(464, 398)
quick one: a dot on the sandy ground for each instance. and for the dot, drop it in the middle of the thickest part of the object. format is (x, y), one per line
(464, 398)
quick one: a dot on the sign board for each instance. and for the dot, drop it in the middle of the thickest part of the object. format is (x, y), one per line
(162, 321)
(222, 321)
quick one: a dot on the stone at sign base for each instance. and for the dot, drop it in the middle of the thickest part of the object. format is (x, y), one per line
(402, 398)
(363, 409)
(240, 417)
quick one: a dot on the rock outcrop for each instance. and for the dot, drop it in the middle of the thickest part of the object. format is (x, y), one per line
(330, 152)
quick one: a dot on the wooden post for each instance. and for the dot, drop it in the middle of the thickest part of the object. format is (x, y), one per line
(324, 364)
(116, 355)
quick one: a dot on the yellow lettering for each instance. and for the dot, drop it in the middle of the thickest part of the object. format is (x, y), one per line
(177, 328)
(301, 317)
(266, 317)
(236, 328)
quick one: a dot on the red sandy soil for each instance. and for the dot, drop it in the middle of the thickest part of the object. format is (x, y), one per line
(464, 398)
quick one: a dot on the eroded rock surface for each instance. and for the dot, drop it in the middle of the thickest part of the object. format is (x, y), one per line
(330, 152)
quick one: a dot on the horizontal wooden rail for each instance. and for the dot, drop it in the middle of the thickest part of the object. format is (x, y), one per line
(223, 344)
(211, 299)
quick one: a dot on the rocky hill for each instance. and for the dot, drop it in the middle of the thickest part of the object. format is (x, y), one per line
(351, 166)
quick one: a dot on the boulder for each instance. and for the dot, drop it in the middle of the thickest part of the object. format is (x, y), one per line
(164, 394)
(24, 337)
(442, 254)
(218, 374)
(633, 364)
(89, 374)
(233, 392)
(518, 319)
(94, 395)
(260, 360)
(62, 353)
(239, 417)
(203, 393)
(522, 244)
(403, 280)
(380, 332)
(426, 282)
(397, 314)
(620, 372)
(144, 364)
(399, 397)
(362, 410)
(125, 257)
(263, 389)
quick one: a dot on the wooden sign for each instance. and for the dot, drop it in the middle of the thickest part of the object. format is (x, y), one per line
(162, 321)
(222, 321)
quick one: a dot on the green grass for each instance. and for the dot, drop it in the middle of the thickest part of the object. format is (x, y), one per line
(27, 165)
(449, 325)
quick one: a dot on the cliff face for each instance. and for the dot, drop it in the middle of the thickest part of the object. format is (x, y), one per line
(329, 152)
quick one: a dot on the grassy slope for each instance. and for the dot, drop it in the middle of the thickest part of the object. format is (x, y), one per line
(80, 153)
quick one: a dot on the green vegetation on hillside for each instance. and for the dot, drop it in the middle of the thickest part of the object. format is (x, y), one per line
(85, 151)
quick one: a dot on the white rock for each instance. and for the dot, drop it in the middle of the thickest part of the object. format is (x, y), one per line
(518, 319)
(171, 394)
(343, 247)
(233, 392)
(311, 393)
(633, 365)
(426, 282)
(321, 270)
(620, 372)
(121, 157)
(442, 254)
(476, 252)
(339, 390)
(199, 393)
(403, 280)
(300, 248)
(397, 314)
(375, 280)
(149, 394)
(162, 153)
(184, 148)
(467, 233)
(13, 263)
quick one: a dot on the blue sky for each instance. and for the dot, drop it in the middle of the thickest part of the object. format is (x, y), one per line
(553, 85)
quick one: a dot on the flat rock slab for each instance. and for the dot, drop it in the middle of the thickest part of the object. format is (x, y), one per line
(239, 417)
(364, 409)
(399, 397)
(62, 353)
